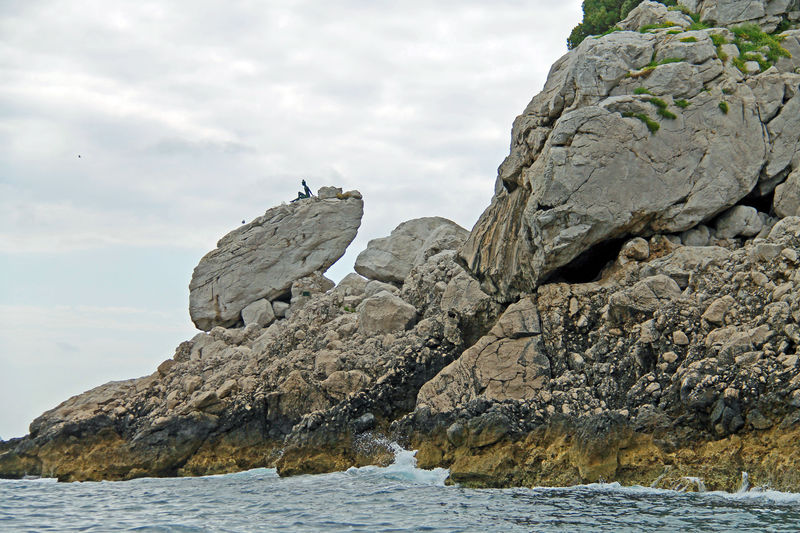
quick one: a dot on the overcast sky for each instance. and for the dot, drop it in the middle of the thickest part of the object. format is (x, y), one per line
(133, 135)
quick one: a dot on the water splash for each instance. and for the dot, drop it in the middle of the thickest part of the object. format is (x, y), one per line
(687, 483)
(745, 486)
(403, 468)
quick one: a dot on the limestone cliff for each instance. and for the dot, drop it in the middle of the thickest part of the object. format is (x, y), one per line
(652, 130)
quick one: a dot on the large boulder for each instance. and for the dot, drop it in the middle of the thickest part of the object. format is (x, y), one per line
(596, 157)
(390, 259)
(263, 258)
(385, 313)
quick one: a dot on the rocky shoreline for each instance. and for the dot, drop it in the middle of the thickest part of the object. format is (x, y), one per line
(627, 308)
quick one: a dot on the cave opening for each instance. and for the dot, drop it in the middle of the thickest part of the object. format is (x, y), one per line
(589, 265)
(760, 203)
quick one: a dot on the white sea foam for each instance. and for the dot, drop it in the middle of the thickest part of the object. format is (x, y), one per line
(404, 468)
(755, 494)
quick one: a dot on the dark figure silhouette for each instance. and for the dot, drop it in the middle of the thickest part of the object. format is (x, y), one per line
(306, 193)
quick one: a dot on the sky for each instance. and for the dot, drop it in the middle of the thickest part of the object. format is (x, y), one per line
(134, 135)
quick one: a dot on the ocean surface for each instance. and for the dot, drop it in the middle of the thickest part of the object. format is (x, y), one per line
(399, 497)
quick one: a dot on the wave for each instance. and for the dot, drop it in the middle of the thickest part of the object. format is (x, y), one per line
(403, 468)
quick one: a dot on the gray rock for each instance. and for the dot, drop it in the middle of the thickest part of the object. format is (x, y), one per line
(325, 193)
(263, 258)
(373, 287)
(602, 175)
(715, 313)
(649, 12)
(784, 132)
(636, 249)
(697, 236)
(280, 309)
(259, 312)
(352, 284)
(787, 196)
(306, 287)
(642, 298)
(752, 67)
(738, 221)
(385, 313)
(391, 258)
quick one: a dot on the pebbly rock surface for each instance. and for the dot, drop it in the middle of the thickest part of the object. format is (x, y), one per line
(390, 259)
(262, 259)
(653, 373)
(588, 168)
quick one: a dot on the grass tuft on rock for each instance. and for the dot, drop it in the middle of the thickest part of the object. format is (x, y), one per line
(751, 40)
(690, 39)
(666, 113)
(641, 90)
(683, 104)
(651, 124)
(658, 102)
(647, 27)
(723, 106)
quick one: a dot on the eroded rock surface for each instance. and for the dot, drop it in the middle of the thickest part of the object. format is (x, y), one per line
(587, 167)
(262, 259)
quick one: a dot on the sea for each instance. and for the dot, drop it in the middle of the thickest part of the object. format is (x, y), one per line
(399, 497)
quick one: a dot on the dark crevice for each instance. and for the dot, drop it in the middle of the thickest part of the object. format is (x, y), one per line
(761, 203)
(588, 266)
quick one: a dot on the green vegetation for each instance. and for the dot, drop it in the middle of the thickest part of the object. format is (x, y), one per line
(674, 32)
(648, 27)
(651, 124)
(689, 40)
(600, 16)
(683, 104)
(755, 45)
(662, 108)
(647, 69)
(695, 26)
(717, 39)
(723, 106)
(666, 113)
(610, 30)
(641, 90)
(783, 25)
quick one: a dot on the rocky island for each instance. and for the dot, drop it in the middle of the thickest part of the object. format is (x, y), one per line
(626, 309)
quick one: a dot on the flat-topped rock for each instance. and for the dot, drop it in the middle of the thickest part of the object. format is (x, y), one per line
(262, 259)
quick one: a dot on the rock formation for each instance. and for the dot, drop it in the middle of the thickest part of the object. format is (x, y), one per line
(230, 397)
(260, 260)
(390, 259)
(588, 168)
(626, 309)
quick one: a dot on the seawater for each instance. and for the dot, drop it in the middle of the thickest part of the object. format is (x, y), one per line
(400, 497)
